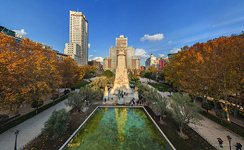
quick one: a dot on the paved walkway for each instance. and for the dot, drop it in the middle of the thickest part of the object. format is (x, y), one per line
(29, 129)
(210, 131)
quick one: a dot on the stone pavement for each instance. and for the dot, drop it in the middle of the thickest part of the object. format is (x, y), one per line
(29, 129)
(210, 131)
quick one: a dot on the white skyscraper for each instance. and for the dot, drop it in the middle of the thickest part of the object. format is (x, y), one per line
(77, 47)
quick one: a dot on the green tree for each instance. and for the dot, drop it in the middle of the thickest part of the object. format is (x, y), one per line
(76, 102)
(86, 95)
(57, 124)
(158, 103)
(108, 74)
(100, 82)
(184, 111)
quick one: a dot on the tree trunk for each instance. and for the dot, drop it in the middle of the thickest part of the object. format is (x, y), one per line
(227, 114)
(194, 99)
(181, 129)
(235, 111)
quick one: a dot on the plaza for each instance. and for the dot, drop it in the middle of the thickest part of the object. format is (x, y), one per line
(131, 75)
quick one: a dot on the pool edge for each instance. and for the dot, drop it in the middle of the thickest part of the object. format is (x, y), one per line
(77, 130)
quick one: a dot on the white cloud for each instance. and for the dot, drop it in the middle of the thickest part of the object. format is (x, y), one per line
(152, 38)
(99, 59)
(20, 32)
(141, 52)
(161, 55)
(175, 50)
(89, 45)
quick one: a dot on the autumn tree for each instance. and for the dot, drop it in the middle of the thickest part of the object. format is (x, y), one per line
(69, 72)
(27, 72)
(87, 71)
(210, 69)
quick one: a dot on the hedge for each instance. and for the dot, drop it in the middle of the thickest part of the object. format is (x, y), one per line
(231, 126)
(31, 114)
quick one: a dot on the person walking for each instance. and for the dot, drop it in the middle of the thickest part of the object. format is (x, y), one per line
(220, 142)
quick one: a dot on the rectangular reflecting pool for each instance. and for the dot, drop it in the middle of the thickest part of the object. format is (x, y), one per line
(118, 128)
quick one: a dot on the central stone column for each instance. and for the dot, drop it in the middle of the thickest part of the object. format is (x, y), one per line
(121, 81)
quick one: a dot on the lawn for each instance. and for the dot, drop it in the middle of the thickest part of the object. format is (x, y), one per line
(162, 87)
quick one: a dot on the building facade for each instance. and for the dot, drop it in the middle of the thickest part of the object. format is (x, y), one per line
(97, 64)
(158, 63)
(77, 47)
(151, 61)
(132, 61)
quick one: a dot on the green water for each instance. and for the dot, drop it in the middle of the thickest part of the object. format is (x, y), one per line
(118, 129)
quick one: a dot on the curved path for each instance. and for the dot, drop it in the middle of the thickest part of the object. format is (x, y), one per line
(29, 129)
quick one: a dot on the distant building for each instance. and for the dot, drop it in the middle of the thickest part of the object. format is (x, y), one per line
(60, 56)
(132, 61)
(77, 47)
(98, 65)
(7, 31)
(158, 63)
(10, 33)
(151, 61)
(162, 62)
(171, 55)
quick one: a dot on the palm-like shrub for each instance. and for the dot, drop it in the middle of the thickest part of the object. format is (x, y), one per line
(57, 124)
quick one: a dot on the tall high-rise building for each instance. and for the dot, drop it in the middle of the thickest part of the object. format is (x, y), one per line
(77, 47)
(111, 62)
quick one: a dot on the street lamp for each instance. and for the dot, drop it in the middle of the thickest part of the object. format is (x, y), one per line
(229, 139)
(16, 135)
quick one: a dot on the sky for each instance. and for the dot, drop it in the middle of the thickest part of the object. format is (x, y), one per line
(156, 27)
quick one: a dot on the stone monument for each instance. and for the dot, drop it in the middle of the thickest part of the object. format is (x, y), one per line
(121, 81)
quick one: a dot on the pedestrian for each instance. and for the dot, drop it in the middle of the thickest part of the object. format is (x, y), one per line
(238, 146)
(133, 101)
(220, 142)
(105, 100)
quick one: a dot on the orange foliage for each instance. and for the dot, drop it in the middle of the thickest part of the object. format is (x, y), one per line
(27, 72)
(214, 68)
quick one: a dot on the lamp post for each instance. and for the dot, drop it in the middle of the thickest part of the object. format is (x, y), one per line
(16, 135)
(229, 139)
